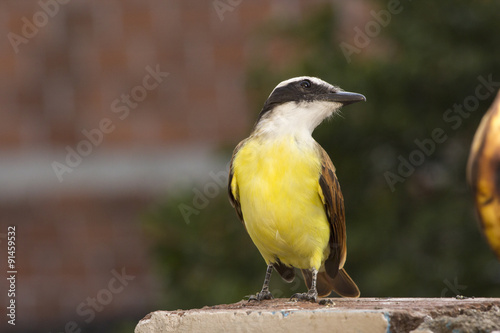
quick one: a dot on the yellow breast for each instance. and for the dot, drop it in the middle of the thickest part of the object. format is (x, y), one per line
(277, 182)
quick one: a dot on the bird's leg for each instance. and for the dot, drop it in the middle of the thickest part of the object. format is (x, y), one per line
(264, 293)
(312, 293)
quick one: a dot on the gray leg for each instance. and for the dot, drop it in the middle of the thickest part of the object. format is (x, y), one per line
(265, 293)
(312, 294)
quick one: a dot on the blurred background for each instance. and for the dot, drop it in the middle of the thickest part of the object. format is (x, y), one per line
(118, 119)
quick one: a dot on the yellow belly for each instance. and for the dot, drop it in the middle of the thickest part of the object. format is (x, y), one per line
(282, 209)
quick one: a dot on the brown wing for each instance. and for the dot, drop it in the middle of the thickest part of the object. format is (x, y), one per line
(234, 197)
(334, 208)
(334, 277)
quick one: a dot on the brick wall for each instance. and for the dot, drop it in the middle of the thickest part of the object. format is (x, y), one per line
(66, 76)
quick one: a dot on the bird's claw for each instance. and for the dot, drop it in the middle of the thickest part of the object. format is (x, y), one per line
(310, 296)
(264, 294)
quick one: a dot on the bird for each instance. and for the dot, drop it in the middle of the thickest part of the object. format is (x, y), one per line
(285, 191)
(483, 175)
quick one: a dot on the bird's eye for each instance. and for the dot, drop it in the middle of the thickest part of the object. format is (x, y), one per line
(305, 84)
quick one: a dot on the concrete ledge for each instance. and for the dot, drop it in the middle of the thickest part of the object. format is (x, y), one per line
(345, 315)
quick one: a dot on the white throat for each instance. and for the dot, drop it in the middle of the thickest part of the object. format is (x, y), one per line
(296, 119)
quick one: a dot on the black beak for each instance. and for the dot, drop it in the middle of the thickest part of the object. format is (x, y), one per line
(344, 97)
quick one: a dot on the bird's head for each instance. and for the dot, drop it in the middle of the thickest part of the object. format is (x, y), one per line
(301, 104)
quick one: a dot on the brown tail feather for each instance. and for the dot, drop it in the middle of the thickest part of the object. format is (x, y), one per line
(342, 284)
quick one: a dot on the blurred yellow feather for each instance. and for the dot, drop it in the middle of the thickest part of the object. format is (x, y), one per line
(483, 174)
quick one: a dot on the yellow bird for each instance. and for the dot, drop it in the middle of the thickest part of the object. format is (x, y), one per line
(483, 174)
(285, 191)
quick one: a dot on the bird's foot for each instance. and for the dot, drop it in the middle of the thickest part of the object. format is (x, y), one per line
(264, 294)
(310, 296)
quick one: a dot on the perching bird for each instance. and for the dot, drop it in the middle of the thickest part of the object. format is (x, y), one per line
(285, 191)
(483, 173)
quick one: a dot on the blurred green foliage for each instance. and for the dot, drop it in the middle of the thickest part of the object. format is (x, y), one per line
(419, 240)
